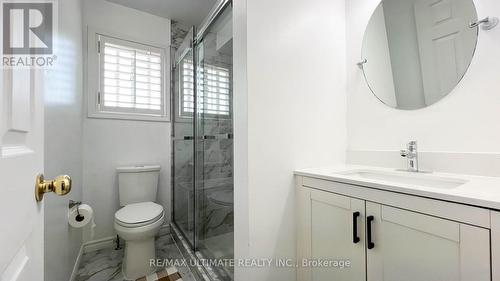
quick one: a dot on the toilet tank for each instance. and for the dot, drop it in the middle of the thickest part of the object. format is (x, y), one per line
(137, 184)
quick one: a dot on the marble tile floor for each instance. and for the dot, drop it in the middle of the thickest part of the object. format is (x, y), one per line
(220, 247)
(106, 264)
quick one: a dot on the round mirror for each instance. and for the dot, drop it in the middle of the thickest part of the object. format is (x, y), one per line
(416, 51)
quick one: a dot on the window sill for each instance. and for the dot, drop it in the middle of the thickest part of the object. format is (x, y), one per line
(130, 117)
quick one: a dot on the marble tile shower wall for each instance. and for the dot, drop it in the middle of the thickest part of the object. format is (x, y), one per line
(179, 31)
(217, 219)
(217, 176)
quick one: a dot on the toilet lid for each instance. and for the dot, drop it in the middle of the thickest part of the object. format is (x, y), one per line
(139, 213)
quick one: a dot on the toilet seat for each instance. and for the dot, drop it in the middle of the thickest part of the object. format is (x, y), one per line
(139, 214)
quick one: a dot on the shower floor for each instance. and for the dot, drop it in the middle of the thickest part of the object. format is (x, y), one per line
(106, 264)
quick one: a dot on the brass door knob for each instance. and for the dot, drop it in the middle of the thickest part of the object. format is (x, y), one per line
(61, 185)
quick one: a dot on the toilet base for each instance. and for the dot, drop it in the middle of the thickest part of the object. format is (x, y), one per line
(136, 262)
(139, 247)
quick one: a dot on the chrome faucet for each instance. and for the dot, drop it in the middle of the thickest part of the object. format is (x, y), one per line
(411, 154)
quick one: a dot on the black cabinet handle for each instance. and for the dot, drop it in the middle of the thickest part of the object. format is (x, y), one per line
(369, 220)
(355, 238)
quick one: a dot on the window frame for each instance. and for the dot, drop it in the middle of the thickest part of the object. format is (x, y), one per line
(94, 72)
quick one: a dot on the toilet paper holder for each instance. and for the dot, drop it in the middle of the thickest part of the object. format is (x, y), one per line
(72, 204)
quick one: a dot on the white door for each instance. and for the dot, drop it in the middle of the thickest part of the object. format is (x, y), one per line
(415, 247)
(21, 159)
(446, 44)
(331, 228)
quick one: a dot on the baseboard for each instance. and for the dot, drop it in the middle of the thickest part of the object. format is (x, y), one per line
(77, 264)
(99, 244)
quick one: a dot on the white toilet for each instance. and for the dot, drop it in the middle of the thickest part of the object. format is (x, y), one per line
(139, 219)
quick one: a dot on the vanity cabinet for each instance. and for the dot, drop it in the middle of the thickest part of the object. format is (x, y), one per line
(413, 246)
(332, 228)
(387, 242)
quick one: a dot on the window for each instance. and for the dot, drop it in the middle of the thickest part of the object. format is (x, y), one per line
(130, 80)
(214, 92)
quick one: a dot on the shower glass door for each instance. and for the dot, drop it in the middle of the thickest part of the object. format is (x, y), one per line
(202, 134)
(214, 149)
(183, 135)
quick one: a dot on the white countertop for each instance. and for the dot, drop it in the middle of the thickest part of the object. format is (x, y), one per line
(477, 190)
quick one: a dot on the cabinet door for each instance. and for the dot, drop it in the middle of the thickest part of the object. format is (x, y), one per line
(331, 227)
(411, 246)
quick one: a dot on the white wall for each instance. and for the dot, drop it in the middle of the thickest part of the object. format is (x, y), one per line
(63, 140)
(240, 143)
(290, 113)
(465, 121)
(111, 143)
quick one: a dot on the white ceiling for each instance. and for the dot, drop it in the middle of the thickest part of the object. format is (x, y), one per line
(191, 12)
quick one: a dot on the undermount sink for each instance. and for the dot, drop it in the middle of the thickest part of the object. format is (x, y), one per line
(406, 178)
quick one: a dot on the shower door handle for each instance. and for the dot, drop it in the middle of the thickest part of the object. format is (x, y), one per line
(218, 137)
(183, 138)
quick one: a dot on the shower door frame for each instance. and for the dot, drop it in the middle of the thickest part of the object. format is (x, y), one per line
(176, 64)
(198, 36)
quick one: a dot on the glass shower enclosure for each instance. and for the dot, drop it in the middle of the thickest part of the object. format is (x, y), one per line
(202, 133)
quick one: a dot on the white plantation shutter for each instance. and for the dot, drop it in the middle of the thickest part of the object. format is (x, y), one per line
(187, 83)
(214, 92)
(131, 77)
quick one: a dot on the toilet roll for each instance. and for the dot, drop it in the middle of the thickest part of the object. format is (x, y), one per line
(86, 216)
(85, 220)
